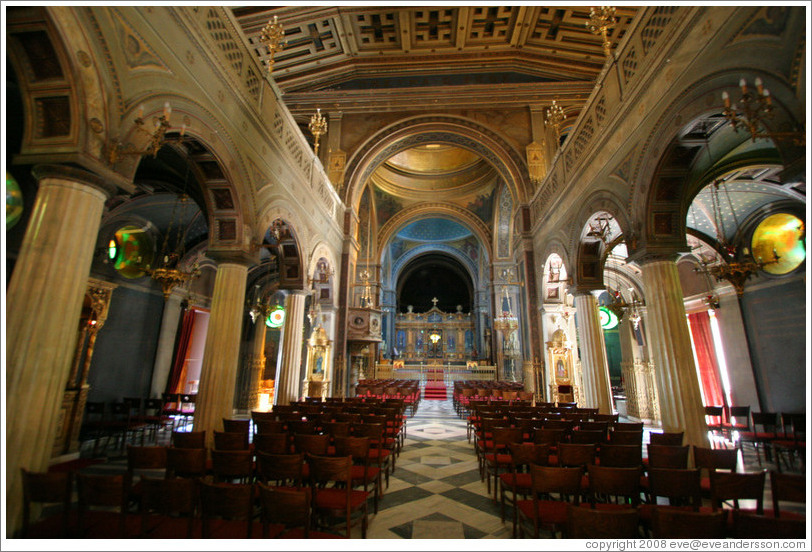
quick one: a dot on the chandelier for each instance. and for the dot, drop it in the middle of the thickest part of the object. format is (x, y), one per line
(554, 118)
(601, 229)
(750, 112)
(434, 337)
(260, 307)
(366, 294)
(600, 21)
(318, 127)
(169, 273)
(157, 138)
(272, 35)
(506, 322)
(729, 265)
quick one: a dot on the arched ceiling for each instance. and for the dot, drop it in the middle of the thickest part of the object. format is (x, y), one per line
(367, 46)
(434, 276)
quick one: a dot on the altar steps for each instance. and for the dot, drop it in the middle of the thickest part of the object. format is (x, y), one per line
(435, 391)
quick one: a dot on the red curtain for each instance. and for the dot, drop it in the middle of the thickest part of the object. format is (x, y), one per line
(177, 375)
(706, 356)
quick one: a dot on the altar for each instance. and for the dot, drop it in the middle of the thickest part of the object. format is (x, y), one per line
(435, 336)
(447, 372)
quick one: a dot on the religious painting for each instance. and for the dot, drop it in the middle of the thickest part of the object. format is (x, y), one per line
(561, 368)
(318, 366)
(472, 365)
(553, 293)
(469, 341)
(398, 365)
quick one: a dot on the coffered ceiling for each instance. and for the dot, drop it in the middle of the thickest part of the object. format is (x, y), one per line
(362, 47)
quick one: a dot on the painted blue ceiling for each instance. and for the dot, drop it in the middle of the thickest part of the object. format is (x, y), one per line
(434, 230)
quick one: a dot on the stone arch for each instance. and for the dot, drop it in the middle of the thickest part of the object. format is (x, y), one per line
(319, 252)
(672, 165)
(291, 262)
(457, 131)
(412, 254)
(591, 253)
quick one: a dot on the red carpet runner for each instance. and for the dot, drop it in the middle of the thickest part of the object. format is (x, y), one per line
(434, 391)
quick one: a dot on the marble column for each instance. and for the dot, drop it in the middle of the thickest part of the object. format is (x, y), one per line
(221, 353)
(257, 362)
(597, 390)
(166, 342)
(289, 378)
(670, 346)
(44, 302)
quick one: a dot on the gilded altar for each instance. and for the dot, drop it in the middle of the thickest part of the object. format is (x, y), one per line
(434, 336)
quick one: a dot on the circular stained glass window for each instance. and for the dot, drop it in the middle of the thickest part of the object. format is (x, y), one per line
(779, 243)
(131, 251)
(14, 201)
(276, 318)
(608, 319)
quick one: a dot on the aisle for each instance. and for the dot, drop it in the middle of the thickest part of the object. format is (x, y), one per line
(436, 491)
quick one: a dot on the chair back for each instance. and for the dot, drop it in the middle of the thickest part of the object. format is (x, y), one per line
(189, 439)
(753, 526)
(679, 524)
(287, 506)
(281, 469)
(549, 436)
(104, 492)
(232, 465)
(273, 443)
(231, 502)
(608, 484)
(185, 462)
(621, 437)
(765, 422)
(563, 481)
(621, 456)
(311, 444)
(716, 459)
(326, 469)
(668, 456)
(627, 426)
(46, 488)
(525, 454)
(269, 426)
(581, 455)
(667, 438)
(236, 426)
(225, 440)
(787, 487)
(586, 523)
(737, 486)
(585, 436)
(681, 486)
(742, 417)
(168, 497)
(145, 458)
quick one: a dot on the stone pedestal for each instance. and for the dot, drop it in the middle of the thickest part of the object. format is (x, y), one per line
(597, 391)
(218, 374)
(289, 378)
(44, 302)
(670, 346)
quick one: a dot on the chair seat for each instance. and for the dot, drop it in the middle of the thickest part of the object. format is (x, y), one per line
(298, 533)
(757, 436)
(105, 525)
(336, 499)
(501, 459)
(645, 510)
(170, 527)
(361, 473)
(552, 512)
(233, 529)
(606, 506)
(519, 480)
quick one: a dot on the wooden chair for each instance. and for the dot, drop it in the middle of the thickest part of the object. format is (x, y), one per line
(680, 524)
(793, 442)
(764, 432)
(679, 486)
(627, 426)
(363, 472)
(46, 488)
(141, 461)
(269, 426)
(496, 453)
(168, 508)
(286, 513)
(587, 437)
(226, 510)
(224, 440)
(186, 462)
(712, 460)
(231, 425)
(586, 523)
(155, 417)
(103, 506)
(189, 439)
(378, 453)
(617, 437)
(546, 512)
(667, 456)
(518, 479)
(727, 487)
(333, 495)
(787, 487)
(715, 419)
(232, 465)
(280, 470)
(577, 454)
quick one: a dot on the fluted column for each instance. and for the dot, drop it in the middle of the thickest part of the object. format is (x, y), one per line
(597, 389)
(670, 345)
(257, 362)
(166, 342)
(289, 379)
(44, 302)
(221, 354)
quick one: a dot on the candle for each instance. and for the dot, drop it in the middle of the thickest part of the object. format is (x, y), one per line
(743, 84)
(183, 129)
(167, 110)
(726, 98)
(141, 111)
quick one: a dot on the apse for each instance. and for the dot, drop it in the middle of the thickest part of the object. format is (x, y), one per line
(431, 276)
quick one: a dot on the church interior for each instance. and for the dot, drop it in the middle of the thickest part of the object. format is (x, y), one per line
(222, 218)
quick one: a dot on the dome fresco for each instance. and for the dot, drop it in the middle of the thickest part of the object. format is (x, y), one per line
(434, 230)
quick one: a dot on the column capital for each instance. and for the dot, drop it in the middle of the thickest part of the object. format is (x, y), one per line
(652, 254)
(240, 257)
(74, 174)
(583, 289)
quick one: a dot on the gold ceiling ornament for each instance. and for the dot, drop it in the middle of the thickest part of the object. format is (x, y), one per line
(750, 112)
(157, 138)
(318, 127)
(272, 35)
(600, 21)
(554, 117)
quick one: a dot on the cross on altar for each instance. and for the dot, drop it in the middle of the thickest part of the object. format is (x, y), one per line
(434, 301)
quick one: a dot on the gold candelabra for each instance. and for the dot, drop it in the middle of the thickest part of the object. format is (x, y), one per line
(169, 273)
(750, 112)
(157, 138)
(318, 127)
(554, 118)
(600, 21)
(366, 295)
(272, 35)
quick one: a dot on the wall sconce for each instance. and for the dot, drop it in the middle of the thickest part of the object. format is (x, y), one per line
(157, 138)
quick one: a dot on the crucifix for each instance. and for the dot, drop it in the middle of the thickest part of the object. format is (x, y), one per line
(435, 302)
